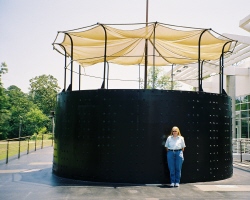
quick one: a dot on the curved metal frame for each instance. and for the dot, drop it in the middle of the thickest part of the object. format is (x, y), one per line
(154, 58)
(65, 66)
(222, 68)
(199, 61)
(71, 62)
(105, 56)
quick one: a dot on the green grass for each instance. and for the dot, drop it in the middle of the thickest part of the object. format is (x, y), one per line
(14, 147)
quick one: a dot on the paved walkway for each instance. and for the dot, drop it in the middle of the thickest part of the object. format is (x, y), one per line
(31, 178)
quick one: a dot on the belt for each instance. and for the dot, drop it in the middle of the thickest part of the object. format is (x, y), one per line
(174, 149)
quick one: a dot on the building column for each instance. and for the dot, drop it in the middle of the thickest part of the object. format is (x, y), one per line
(230, 79)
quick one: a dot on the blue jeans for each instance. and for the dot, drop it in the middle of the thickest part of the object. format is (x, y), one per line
(175, 160)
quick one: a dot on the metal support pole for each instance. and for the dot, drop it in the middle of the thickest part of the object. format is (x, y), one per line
(35, 141)
(147, 12)
(220, 73)
(19, 146)
(199, 59)
(240, 151)
(139, 76)
(65, 70)
(42, 141)
(108, 76)
(172, 77)
(19, 135)
(105, 56)
(201, 76)
(146, 52)
(53, 129)
(28, 146)
(65, 66)
(79, 77)
(222, 67)
(154, 58)
(146, 65)
(7, 152)
(71, 62)
(53, 125)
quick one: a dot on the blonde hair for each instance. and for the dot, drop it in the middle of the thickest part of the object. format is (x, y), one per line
(178, 130)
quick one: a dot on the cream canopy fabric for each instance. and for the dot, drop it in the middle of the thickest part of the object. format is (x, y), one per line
(166, 44)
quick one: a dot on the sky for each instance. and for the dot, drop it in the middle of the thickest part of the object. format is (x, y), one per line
(29, 27)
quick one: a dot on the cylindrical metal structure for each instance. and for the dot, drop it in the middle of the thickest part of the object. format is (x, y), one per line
(119, 135)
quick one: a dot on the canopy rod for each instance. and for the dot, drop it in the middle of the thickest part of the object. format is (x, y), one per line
(188, 27)
(201, 75)
(108, 76)
(199, 61)
(151, 23)
(71, 62)
(105, 56)
(220, 86)
(172, 77)
(146, 52)
(154, 58)
(146, 65)
(80, 77)
(139, 75)
(223, 36)
(139, 56)
(76, 29)
(222, 67)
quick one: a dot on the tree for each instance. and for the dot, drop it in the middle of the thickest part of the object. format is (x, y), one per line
(19, 105)
(23, 111)
(43, 91)
(35, 121)
(3, 69)
(4, 112)
(162, 81)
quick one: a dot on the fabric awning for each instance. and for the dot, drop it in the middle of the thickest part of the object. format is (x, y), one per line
(166, 44)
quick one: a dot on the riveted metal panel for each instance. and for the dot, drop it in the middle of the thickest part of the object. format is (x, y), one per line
(119, 135)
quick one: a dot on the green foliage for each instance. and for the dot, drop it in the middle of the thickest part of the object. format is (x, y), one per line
(42, 130)
(35, 121)
(43, 92)
(41, 136)
(4, 113)
(27, 114)
(3, 69)
(19, 105)
(160, 79)
(4, 105)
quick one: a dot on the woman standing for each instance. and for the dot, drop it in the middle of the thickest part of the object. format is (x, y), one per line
(175, 145)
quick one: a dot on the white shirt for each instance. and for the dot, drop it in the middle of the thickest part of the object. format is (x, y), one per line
(175, 143)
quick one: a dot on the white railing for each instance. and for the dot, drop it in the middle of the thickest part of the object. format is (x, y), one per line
(241, 149)
(241, 145)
